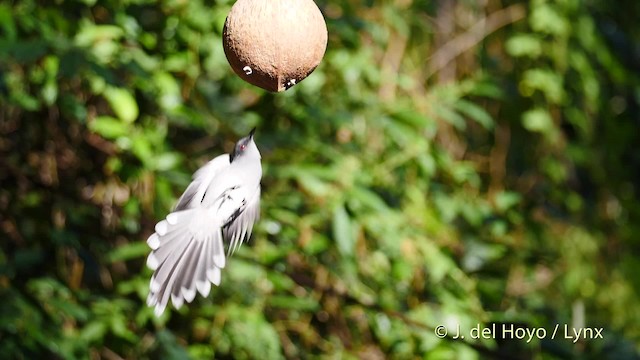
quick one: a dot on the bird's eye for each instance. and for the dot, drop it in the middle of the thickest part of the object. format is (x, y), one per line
(243, 146)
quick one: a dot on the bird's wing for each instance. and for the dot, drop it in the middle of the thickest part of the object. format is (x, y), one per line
(239, 226)
(201, 179)
(187, 255)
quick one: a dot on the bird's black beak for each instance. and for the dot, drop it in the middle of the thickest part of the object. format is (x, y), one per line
(251, 133)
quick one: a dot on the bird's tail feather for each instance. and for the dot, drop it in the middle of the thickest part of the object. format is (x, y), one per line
(187, 255)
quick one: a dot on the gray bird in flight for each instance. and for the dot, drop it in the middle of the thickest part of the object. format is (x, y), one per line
(221, 204)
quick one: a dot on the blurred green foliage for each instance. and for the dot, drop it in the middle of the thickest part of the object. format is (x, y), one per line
(449, 162)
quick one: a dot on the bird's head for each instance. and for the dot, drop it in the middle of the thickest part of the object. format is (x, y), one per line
(245, 148)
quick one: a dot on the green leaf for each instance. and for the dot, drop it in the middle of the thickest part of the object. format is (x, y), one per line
(317, 244)
(537, 120)
(167, 161)
(343, 231)
(524, 45)
(49, 92)
(178, 62)
(504, 200)
(142, 148)
(486, 88)
(120, 329)
(280, 281)
(94, 331)
(313, 184)
(439, 264)
(545, 18)
(89, 34)
(108, 127)
(368, 199)
(475, 112)
(452, 117)
(169, 90)
(6, 22)
(122, 103)
(128, 251)
(547, 81)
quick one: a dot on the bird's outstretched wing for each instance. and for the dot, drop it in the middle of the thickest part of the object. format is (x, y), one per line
(187, 255)
(201, 179)
(187, 250)
(239, 226)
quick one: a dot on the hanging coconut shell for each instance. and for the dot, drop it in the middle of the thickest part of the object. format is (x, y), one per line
(274, 44)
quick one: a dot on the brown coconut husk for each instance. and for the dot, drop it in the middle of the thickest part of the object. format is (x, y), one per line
(274, 44)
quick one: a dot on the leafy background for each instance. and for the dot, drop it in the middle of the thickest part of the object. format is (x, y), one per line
(449, 162)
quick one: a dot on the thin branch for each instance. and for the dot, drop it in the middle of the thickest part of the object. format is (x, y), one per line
(467, 40)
